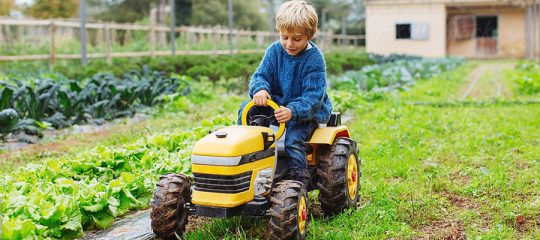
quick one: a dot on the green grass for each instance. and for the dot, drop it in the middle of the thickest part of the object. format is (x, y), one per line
(425, 164)
(429, 171)
(432, 171)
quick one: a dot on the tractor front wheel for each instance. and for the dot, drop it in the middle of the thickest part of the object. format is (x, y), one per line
(169, 216)
(339, 176)
(289, 213)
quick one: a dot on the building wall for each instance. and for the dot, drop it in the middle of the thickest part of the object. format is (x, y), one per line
(511, 32)
(381, 23)
(460, 3)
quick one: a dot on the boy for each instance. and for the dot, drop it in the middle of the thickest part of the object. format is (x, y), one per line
(293, 74)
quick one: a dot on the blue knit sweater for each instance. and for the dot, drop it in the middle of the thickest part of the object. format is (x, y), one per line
(297, 82)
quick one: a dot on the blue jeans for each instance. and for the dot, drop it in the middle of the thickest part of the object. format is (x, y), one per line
(297, 135)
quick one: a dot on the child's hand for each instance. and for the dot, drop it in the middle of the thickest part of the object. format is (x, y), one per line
(259, 99)
(283, 114)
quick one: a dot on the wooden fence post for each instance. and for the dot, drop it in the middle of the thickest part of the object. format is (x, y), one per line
(113, 36)
(214, 40)
(8, 35)
(188, 39)
(259, 39)
(329, 40)
(238, 40)
(52, 33)
(127, 37)
(108, 45)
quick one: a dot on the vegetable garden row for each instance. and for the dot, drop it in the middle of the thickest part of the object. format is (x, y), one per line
(61, 196)
(31, 106)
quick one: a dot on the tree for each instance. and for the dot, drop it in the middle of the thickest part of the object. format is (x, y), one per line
(126, 11)
(247, 14)
(214, 12)
(53, 9)
(6, 6)
(341, 15)
(183, 12)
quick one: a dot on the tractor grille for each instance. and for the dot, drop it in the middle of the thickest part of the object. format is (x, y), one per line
(222, 183)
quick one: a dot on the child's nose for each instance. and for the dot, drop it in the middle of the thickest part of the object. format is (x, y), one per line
(289, 43)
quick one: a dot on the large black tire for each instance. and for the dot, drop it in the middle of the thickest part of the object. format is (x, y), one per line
(288, 216)
(333, 180)
(169, 216)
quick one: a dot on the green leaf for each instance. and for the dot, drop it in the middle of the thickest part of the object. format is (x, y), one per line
(43, 125)
(103, 219)
(97, 206)
(8, 119)
(15, 228)
(73, 224)
(113, 205)
(5, 97)
(93, 208)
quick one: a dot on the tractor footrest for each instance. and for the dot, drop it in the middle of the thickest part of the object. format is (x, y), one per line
(258, 207)
(216, 211)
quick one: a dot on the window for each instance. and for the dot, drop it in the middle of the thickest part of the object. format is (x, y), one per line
(414, 31)
(403, 31)
(420, 31)
(463, 27)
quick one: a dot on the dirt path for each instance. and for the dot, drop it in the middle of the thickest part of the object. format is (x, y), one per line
(487, 81)
(136, 225)
(133, 226)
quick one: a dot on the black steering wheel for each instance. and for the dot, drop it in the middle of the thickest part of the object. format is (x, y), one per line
(262, 118)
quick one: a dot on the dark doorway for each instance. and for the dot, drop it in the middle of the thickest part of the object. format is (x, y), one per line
(486, 35)
(486, 26)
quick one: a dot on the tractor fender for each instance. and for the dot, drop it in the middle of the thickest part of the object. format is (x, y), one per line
(326, 135)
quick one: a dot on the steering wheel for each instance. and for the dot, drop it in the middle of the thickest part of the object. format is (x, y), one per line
(271, 104)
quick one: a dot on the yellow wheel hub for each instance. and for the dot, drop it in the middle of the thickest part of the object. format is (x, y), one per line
(302, 215)
(352, 177)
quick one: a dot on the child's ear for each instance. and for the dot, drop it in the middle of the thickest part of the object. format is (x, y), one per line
(312, 35)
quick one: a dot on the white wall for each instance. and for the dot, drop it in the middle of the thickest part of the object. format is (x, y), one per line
(381, 23)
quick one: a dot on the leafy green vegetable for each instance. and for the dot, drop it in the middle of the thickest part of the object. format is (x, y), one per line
(527, 77)
(58, 197)
(8, 119)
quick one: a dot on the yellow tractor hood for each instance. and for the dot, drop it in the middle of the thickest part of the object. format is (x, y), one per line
(232, 141)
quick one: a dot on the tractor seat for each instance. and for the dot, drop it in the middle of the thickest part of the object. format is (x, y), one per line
(335, 120)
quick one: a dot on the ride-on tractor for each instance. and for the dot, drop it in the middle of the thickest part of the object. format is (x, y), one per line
(242, 170)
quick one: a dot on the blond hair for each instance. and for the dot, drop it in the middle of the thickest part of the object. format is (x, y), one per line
(297, 15)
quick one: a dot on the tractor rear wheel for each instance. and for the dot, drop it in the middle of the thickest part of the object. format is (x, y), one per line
(338, 176)
(169, 216)
(288, 213)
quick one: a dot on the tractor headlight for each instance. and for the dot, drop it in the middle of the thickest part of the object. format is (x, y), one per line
(263, 181)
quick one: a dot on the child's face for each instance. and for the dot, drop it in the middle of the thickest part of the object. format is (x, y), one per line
(293, 42)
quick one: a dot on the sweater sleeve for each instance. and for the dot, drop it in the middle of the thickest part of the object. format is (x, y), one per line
(262, 77)
(306, 106)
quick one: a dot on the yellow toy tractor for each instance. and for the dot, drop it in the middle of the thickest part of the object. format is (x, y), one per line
(242, 170)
